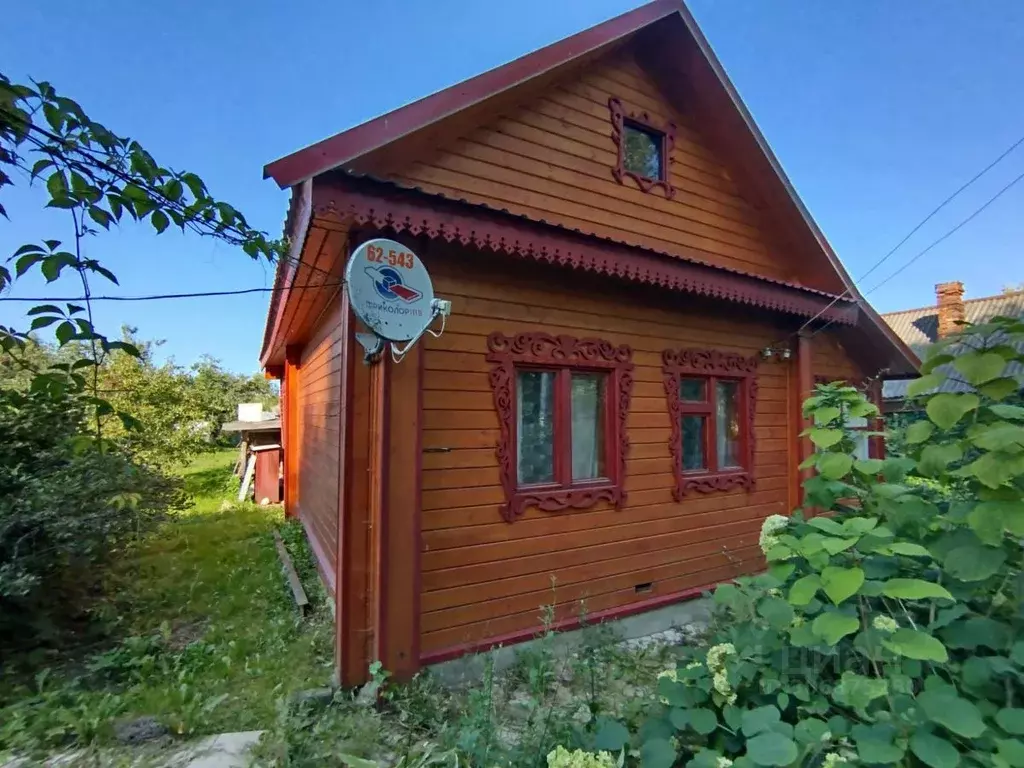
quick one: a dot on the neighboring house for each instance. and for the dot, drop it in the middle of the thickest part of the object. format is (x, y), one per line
(920, 328)
(614, 406)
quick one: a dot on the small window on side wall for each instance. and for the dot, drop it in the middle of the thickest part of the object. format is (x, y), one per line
(712, 397)
(644, 149)
(562, 405)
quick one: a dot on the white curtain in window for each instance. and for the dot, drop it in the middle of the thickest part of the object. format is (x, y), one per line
(727, 424)
(861, 446)
(587, 445)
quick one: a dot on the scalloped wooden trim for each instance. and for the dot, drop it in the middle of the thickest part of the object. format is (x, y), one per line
(710, 364)
(619, 118)
(542, 349)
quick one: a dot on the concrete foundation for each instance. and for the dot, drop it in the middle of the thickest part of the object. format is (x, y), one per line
(673, 624)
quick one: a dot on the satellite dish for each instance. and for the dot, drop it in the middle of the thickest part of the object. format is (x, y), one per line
(389, 289)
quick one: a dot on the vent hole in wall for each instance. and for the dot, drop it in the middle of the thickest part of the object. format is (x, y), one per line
(641, 589)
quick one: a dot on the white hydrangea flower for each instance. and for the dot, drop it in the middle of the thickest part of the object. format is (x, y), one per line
(885, 624)
(694, 665)
(772, 525)
(560, 757)
(717, 653)
(721, 683)
(832, 760)
(724, 762)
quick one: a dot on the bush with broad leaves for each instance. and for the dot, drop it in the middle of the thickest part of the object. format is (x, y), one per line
(887, 628)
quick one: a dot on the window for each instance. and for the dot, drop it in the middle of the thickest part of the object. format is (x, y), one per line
(711, 399)
(644, 149)
(562, 406)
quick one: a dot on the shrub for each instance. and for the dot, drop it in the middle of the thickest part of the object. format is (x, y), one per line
(64, 508)
(885, 631)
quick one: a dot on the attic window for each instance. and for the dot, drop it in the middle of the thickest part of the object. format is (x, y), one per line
(644, 149)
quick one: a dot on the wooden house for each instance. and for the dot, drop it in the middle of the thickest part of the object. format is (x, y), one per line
(640, 301)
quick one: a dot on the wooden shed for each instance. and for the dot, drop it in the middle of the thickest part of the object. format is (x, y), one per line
(640, 301)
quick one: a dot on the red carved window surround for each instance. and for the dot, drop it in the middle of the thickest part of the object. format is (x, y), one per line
(710, 366)
(561, 354)
(620, 119)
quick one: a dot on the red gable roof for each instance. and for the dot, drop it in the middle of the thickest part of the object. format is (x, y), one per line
(678, 52)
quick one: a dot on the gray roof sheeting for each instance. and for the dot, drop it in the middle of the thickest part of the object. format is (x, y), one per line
(919, 330)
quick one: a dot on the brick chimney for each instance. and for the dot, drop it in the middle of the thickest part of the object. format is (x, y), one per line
(950, 300)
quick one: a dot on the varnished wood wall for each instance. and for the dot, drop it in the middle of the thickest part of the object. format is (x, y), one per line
(552, 158)
(482, 577)
(319, 395)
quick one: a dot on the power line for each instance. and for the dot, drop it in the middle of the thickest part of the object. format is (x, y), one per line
(936, 242)
(162, 296)
(849, 291)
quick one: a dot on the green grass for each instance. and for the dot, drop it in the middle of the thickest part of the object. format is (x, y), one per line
(207, 637)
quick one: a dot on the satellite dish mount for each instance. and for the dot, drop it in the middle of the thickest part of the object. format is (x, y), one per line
(390, 290)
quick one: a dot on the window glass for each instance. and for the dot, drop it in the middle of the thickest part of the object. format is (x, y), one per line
(535, 426)
(587, 390)
(692, 390)
(727, 423)
(641, 151)
(693, 442)
(861, 444)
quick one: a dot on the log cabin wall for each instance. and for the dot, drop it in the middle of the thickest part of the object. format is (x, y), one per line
(829, 359)
(317, 439)
(484, 578)
(552, 159)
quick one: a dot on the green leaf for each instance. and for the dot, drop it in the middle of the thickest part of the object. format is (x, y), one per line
(1012, 751)
(946, 409)
(810, 731)
(771, 749)
(914, 644)
(825, 438)
(44, 308)
(998, 389)
(611, 735)
(835, 546)
(918, 432)
(858, 691)
(935, 458)
(1014, 412)
(934, 361)
(826, 414)
(27, 248)
(924, 384)
(933, 750)
(57, 185)
(100, 216)
(705, 758)
(703, 720)
(65, 331)
(1000, 436)
(915, 589)
(776, 611)
(159, 221)
(978, 631)
(1011, 720)
(826, 524)
(870, 466)
(972, 562)
(760, 719)
(834, 626)
(835, 466)
(352, 761)
(804, 589)
(979, 367)
(657, 753)
(955, 714)
(841, 583)
(42, 322)
(863, 409)
(908, 548)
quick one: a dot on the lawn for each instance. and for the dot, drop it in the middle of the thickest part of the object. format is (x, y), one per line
(203, 634)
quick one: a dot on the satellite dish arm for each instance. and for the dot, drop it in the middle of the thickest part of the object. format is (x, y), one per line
(437, 307)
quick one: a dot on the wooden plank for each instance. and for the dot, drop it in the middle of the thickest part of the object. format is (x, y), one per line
(291, 575)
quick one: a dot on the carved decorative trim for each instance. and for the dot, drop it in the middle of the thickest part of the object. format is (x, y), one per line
(620, 118)
(568, 353)
(710, 365)
(386, 206)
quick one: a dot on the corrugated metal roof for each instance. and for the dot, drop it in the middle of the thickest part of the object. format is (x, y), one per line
(919, 329)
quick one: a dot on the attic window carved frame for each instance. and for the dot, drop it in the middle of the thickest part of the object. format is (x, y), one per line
(533, 351)
(710, 367)
(621, 121)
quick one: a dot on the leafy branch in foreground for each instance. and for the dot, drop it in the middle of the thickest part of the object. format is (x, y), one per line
(99, 178)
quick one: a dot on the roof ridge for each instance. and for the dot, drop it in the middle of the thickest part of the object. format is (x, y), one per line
(1008, 294)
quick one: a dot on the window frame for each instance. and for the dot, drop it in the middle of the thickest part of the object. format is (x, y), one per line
(620, 118)
(710, 366)
(564, 355)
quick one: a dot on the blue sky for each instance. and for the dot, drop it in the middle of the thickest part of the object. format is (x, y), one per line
(876, 109)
